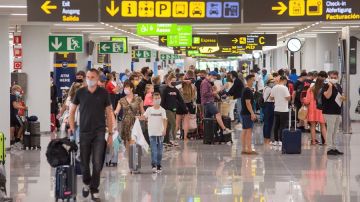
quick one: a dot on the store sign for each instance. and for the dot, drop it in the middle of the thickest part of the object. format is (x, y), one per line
(17, 65)
(300, 10)
(170, 11)
(122, 39)
(152, 29)
(65, 43)
(110, 47)
(182, 38)
(62, 10)
(141, 54)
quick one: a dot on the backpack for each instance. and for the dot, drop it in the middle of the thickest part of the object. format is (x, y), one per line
(261, 101)
(58, 152)
(302, 92)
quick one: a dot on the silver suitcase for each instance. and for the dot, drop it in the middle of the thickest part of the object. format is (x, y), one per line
(135, 153)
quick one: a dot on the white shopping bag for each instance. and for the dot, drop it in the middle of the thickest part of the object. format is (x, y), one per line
(138, 136)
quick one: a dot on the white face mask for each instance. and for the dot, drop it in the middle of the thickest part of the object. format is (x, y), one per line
(334, 81)
(126, 91)
(17, 93)
(91, 83)
(157, 101)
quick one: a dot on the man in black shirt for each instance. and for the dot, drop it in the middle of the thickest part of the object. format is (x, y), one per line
(140, 89)
(332, 102)
(248, 115)
(300, 86)
(236, 91)
(95, 107)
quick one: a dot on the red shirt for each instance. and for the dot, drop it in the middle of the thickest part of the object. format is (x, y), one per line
(110, 87)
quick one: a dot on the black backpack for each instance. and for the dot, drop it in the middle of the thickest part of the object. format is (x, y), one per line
(319, 101)
(58, 152)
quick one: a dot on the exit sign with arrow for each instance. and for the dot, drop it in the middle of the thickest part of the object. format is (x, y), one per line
(111, 47)
(141, 54)
(70, 44)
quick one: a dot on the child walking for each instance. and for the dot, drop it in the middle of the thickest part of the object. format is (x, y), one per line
(156, 115)
(148, 101)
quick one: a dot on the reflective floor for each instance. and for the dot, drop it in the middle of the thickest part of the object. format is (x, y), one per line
(205, 173)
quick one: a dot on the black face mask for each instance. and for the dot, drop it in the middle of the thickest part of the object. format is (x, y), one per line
(150, 74)
(174, 83)
(79, 81)
(202, 78)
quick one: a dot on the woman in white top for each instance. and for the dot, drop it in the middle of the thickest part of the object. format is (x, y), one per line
(227, 86)
(268, 111)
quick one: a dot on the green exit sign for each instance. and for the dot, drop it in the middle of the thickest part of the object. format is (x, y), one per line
(70, 44)
(152, 29)
(141, 54)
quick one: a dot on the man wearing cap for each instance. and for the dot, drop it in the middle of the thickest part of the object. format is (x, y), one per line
(208, 93)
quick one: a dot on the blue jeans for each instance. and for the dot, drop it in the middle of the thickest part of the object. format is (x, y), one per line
(268, 119)
(238, 109)
(156, 145)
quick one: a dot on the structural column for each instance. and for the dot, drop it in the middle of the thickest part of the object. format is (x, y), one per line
(36, 63)
(5, 78)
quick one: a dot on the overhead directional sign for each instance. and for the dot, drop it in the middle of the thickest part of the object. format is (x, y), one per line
(66, 44)
(152, 29)
(161, 11)
(111, 47)
(122, 39)
(300, 10)
(62, 11)
(141, 54)
(169, 57)
(182, 38)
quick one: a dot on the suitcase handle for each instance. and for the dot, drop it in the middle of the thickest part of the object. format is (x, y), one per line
(290, 109)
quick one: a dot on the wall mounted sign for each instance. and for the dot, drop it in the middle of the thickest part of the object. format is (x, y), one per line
(122, 39)
(111, 47)
(62, 10)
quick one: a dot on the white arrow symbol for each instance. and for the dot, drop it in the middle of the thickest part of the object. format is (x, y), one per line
(56, 45)
(138, 54)
(105, 47)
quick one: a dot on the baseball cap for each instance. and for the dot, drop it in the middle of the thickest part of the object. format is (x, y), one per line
(213, 73)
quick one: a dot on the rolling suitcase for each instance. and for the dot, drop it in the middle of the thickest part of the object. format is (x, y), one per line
(291, 138)
(65, 181)
(135, 158)
(210, 130)
(2, 148)
(34, 129)
(226, 137)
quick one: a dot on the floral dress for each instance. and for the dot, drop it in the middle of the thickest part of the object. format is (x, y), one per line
(130, 111)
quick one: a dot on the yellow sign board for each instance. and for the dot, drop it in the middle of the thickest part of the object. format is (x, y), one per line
(146, 9)
(314, 7)
(180, 9)
(163, 9)
(197, 9)
(242, 40)
(297, 8)
(129, 8)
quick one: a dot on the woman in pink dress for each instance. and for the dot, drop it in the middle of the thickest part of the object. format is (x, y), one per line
(315, 115)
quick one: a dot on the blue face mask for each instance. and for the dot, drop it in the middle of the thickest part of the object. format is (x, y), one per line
(91, 83)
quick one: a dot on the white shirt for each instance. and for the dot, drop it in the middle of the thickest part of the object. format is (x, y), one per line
(266, 95)
(155, 120)
(218, 84)
(280, 92)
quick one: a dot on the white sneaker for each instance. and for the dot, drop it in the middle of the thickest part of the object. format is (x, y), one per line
(273, 143)
(238, 126)
(227, 131)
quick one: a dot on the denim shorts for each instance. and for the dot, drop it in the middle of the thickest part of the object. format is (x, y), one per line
(247, 122)
(210, 110)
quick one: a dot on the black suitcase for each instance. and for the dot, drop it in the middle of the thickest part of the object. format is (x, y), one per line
(35, 141)
(226, 137)
(291, 138)
(34, 127)
(210, 130)
(65, 181)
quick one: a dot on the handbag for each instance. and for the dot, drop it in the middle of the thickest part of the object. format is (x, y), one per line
(303, 112)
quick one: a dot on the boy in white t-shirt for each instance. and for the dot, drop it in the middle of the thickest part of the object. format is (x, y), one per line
(157, 123)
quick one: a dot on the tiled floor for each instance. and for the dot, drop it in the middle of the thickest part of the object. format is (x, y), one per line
(206, 173)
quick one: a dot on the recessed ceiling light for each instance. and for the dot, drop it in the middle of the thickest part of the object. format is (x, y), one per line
(82, 28)
(12, 6)
(18, 14)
